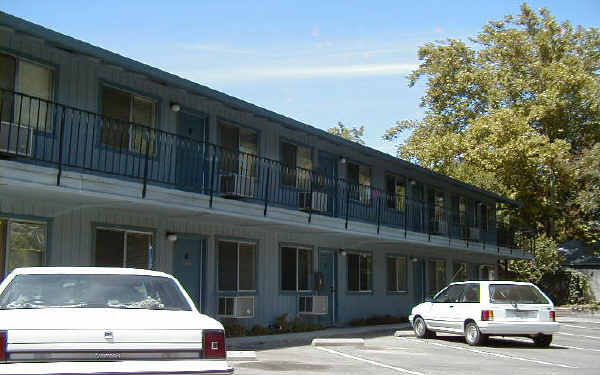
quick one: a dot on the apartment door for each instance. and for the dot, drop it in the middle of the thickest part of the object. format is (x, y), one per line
(326, 284)
(192, 166)
(328, 168)
(189, 268)
(418, 271)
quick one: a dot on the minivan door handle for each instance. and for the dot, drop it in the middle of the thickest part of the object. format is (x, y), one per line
(451, 306)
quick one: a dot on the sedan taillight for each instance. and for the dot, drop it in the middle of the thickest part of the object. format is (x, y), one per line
(3, 344)
(553, 316)
(487, 315)
(213, 344)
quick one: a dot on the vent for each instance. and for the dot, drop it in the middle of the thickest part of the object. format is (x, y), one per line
(15, 139)
(316, 201)
(238, 186)
(313, 305)
(236, 307)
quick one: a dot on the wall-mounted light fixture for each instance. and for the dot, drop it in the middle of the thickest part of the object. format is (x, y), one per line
(413, 182)
(414, 259)
(175, 107)
(171, 237)
(343, 160)
(343, 252)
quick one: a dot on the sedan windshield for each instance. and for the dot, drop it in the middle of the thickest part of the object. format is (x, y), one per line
(93, 291)
(515, 293)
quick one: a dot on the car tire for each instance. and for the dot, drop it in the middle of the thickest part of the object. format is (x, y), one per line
(473, 335)
(542, 341)
(421, 330)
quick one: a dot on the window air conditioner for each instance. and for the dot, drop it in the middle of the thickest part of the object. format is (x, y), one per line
(15, 139)
(313, 305)
(236, 307)
(316, 202)
(238, 186)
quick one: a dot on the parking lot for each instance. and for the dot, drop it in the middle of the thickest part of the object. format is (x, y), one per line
(575, 348)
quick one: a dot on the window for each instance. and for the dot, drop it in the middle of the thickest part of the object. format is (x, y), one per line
(471, 294)
(451, 294)
(241, 150)
(237, 266)
(125, 112)
(123, 248)
(297, 165)
(396, 268)
(438, 218)
(33, 80)
(395, 188)
(360, 177)
(296, 268)
(462, 210)
(460, 272)
(436, 276)
(484, 218)
(359, 272)
(22, 244)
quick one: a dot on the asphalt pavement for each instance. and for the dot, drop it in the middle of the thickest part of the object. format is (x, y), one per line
(575, 348)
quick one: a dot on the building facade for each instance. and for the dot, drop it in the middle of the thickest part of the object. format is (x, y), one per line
(105, 161)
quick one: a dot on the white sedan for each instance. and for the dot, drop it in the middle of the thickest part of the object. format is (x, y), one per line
(479, 309)
(104, 320)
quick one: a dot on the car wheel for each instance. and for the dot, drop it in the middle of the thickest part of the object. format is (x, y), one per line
(542, 341)
(473, 335)
(421, 330)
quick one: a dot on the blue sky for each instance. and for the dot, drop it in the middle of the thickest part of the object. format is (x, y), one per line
(319, 62)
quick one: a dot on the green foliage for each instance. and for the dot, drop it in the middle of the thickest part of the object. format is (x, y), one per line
(351, 134)
(547, 261)
(282, 325)
(585, 204)
(579, 287)
(508, 110)
(378, 319)
(234, 329)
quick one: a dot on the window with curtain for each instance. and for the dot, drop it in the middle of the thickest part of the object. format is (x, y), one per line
(359, 176)
(297, 165)
(359, 270)
(395, 187)
(22, 244)
(240, 154)
(129, 121)
(123, 248)
(237, 266)
(296, 268)
(32, 110)
(396, 269)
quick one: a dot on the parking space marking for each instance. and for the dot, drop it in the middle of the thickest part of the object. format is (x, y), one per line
(581, 327)
(560, 346)
(492, 354)
(374, 363)
(571, 334)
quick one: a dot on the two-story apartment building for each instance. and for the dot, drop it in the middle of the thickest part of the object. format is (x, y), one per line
(105, 161)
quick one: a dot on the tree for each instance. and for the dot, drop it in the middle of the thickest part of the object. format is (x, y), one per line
(585, 204)
(351, 134)
(509, 110)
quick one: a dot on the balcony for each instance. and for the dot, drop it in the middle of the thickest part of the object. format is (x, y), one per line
(45, 133)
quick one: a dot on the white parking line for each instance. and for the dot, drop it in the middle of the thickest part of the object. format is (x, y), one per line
(572, 334)
(560, 346)
(492, 354)
(581, 327)
(399, 369)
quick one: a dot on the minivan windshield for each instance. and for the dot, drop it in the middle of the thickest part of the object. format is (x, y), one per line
(92, 291)
(516, 294)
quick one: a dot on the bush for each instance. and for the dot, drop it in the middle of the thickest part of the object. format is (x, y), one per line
(282, 325)
(378, 319)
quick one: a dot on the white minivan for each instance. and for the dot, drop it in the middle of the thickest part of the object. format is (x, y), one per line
(479, 309)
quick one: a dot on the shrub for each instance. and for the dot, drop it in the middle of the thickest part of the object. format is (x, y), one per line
(378, 319)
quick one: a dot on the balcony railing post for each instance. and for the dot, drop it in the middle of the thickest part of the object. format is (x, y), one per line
(60, 146)
(311, 197)
(405, 214)
(212, 175)
(378, 213)
(147, 157)
(268, 182)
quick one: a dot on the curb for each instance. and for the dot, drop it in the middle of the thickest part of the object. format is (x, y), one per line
(239, 355)
(306, 338)
(338, 342)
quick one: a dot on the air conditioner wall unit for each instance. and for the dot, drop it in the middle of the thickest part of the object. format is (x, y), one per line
(313, 305)
(236, 307)
(15, 139)
(315, 201)
(238, 186)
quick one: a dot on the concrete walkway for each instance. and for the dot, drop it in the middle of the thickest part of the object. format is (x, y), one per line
(305, 338)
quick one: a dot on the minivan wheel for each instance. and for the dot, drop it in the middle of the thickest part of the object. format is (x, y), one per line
(421, 330)
(473, 335)
(542, 341)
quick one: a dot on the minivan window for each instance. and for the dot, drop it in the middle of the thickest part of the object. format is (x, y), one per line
(471, 294)
(449, 295)
(516, 293)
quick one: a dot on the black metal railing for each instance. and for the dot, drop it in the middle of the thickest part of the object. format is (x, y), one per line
(49, 133)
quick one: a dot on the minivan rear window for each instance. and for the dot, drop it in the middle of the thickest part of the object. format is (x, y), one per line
(516, 293)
